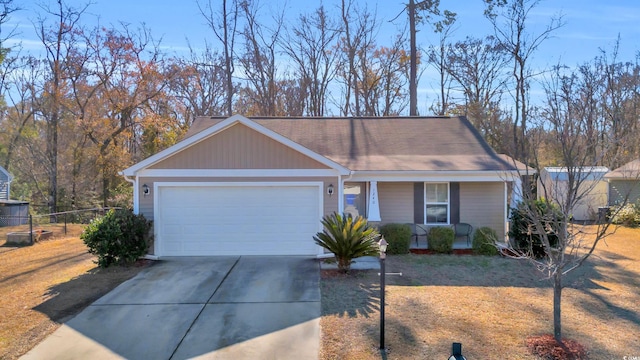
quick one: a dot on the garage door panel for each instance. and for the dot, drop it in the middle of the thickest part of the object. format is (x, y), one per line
(235, 220)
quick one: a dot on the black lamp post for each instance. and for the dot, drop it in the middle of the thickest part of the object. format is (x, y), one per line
(382, 244)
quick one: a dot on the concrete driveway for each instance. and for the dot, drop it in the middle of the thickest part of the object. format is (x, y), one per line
(210, 308)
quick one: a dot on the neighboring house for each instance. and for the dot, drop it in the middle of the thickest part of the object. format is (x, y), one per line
(5, 184)
(553, 183)
(239, 186)
(624, 184)
(12, 212)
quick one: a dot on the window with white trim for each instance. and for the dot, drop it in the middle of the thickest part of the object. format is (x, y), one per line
(436, 200)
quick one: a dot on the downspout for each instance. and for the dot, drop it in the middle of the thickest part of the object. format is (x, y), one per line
(136, 208)
(134, 182)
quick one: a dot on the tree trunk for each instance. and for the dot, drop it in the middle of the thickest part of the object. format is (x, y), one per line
(557, 297)
(413, 71)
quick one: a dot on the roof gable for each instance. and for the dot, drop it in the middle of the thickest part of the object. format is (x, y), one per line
(238, 147)
(218, 127)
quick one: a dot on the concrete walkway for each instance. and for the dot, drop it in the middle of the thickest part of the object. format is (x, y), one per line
(206, 308)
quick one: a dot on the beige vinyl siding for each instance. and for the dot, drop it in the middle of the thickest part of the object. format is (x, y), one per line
(396, 202)
(238, 147)
(483, 204)
(330, 203)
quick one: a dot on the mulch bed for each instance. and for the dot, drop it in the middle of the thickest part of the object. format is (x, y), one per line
(546, 347)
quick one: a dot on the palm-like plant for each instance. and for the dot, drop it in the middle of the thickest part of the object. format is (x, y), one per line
(347, 238)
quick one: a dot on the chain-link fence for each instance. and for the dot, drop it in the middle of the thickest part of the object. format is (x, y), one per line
(33, 225)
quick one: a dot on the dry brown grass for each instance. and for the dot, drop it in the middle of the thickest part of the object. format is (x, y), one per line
(489, 304)
(45, 284)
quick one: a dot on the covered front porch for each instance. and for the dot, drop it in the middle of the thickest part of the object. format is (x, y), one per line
(474, 203)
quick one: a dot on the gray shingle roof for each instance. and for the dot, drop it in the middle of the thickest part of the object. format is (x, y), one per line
(386, 144)
(630, 171)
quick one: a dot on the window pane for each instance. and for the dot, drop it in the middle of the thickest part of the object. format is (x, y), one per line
(437, 193)
(436, 214)
(430, 190)
(442, 193)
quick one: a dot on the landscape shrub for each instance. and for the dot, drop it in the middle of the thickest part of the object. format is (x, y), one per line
(119, 237)
(398, 236)
(484, 241)
(440, 239)
(628, 215)
(522, 232)
(348, 238)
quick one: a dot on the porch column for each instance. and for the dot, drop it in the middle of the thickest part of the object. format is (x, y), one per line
(373, 208)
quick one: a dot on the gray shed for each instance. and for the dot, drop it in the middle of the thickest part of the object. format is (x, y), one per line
(624, 183)
(13, 212)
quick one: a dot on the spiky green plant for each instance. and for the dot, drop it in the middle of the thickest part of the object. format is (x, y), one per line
(347, 238)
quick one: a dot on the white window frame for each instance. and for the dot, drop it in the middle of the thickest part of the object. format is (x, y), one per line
(427, 203)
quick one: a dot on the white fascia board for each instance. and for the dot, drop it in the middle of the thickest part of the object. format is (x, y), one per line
(185, 173)
(444, 176)
(221, 126)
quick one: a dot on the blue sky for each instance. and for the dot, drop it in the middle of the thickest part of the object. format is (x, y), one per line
(590, 25)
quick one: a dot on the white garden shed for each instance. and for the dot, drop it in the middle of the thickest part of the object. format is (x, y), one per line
(553, 183)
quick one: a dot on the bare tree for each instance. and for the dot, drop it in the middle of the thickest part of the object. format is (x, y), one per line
(196, 85)
(224, 23)
(477, 67)
(309, 44)
(384, 78)
(58, 39)
(424, 11)
(438, 58)
(7, 7)
(620, 104)
(259, 59)
(18, 78)
(510, 20)
(552, 241)
(357, 43)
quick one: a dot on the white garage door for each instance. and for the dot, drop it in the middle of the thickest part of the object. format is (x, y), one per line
(274, 219)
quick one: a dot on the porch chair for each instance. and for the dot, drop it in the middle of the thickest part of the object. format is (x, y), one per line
(463, 230)
(417, 231)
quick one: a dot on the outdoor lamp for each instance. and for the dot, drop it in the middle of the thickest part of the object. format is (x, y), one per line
(330, 189)
(145, 189)
(382, 244)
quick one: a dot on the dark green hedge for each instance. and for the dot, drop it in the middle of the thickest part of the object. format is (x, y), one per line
(398, 236)
(440, 239)
(526, 240)
(119, 237)
(484, 241)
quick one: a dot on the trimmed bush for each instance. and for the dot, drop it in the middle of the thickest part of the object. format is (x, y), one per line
(628, 215)
(398, 236)
(522, 232)
(440, 239)
(119, 237)
(484, 241)
(348, 238)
